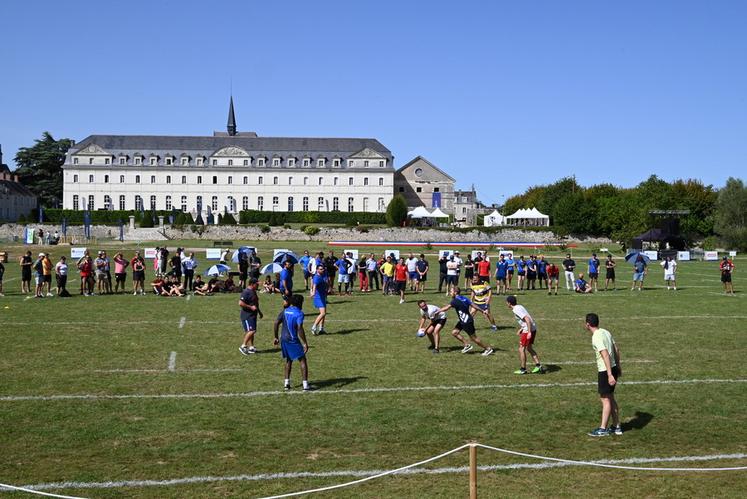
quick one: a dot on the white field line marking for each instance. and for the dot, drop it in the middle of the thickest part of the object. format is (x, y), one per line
(584, 363)
(189, 297)
(182, 322)
(400, 389)
(172, 362)
(28, 298)
(161, 371)
(364, 473)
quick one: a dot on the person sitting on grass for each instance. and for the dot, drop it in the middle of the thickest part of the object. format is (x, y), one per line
(175, 287)
(215, 285)
(229, 286)
(201, 287)
(160, 286)
(269, 287)
(581, 286)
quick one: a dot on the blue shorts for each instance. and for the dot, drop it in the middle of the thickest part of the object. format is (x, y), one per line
(306, 274)
(320, 302)
(291, 351)
(482, 306)
(638, 276)
(413, 275)
(249, 324)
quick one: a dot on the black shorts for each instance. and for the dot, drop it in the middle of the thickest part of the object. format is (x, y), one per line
(48, 278)
(399, 286)
(468, 327)
(120, 276)
(610, 273)
(521, 273)
(138, 275)
(726, 277)
(542, 275)
(436, 322)
(61, 280)
(531, 275)
(593, 275)
(469, 274)
(484, 279)
(603, 385)
(26, 274)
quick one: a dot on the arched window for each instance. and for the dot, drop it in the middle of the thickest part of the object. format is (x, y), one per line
(290, 203)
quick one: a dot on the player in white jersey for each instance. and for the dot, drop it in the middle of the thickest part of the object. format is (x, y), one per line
(432, 320)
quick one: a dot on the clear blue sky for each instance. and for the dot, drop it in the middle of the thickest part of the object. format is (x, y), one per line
(500, 94)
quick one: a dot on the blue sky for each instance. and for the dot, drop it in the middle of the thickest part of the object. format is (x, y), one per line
(504, 95)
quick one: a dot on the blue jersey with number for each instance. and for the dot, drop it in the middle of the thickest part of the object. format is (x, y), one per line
(286, 280)
(501, 268)
(291, 318)
(462, 306)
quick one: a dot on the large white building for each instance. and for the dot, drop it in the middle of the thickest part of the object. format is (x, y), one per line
(228, 171)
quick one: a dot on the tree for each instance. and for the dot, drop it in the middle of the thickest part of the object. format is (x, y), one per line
(40, 168)
(227, 219)
(730, 219)
(396, 211)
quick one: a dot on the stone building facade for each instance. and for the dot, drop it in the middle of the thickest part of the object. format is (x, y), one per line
(424, 184)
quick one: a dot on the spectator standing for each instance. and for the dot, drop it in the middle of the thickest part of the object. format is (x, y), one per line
(531, 272)
(422, 268)
(510, 270)
(553, 276)
(120, 272)
(163, 265)
(594, 272)
(60, 272)
(469, 271)
(363, 275)
(640, 269)
(47, 270)
(330, 262)
(25, 263)
(412, 272)
(569, 264)
(609, 266)
(442, 272)
(86, 268)
(483, 269)
(452, 274)
(521, 272)
(542, 271)
(609, 371)
(400, 279)
(189, 264)
(387, 275)
(372, 267)
(670, 269)
(2, 274)
(727, 267)
(100, 272)
(138, 274)
(176, 265)
(501, 274)
(343, 278)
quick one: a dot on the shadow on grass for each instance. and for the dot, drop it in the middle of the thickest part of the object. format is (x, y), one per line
(552, 368)
(346, 331)
(639, 421)
(337, 382)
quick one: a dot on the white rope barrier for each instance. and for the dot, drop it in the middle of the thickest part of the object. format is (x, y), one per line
(385, 473)
(30, 491)
(605, 465)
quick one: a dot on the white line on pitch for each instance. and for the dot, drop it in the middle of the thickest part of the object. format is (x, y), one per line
(364, 473)
(182, 322)
(583, 362)
(172, 362)
(189, 297)
(161, 371)
(394, 389)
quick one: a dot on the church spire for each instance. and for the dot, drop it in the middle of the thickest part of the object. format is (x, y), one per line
(231, 119)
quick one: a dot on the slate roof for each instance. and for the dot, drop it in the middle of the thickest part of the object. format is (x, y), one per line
(15, 188)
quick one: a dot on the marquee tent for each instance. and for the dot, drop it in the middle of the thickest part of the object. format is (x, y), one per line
(494, 219)
(419, 212)
(532, 218)
(437, 213)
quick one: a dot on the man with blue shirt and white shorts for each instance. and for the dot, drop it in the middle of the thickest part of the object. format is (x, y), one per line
(319, 289)
(292, 340)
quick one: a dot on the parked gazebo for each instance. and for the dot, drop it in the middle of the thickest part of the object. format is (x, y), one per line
(528, 218)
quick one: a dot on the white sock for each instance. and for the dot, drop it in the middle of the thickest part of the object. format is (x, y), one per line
(305, 384)
(287, 382)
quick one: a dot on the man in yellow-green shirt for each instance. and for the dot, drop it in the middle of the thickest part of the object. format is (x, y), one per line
(608, 372)
(387, 271)
(481, 295)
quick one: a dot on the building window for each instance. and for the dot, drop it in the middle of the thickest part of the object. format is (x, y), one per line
(335, 204)
(215, 162)
(230, 162)
(246, 162)
(215, 179)
(169, 161)
(137, 179)
(168, 203)
(106, 161)
(230, 180)
(436, 189)
(260, 161)
(184, 161)
(464, 210)
(351, 204)
(259, 181)
(152, 161)
(350, 180)
(320, 162)
(75, 202)
(335, 181)
(168, 179)
(381, 205)
(231, 204)
(290, 203)
(75, 161)
(274, 181)
(184, 179)
(90, 161)
(418, 189)
(184, 203)
(75, 179)
(199, 179)
(320, 204)
(365, 204)
(305, 203)
(214, 203)
(290, 180)
(199, 161)
(321, 180)
(138, 203)
(306, 181)
(199, 203)
(122, 204)
(122, 161)
(152, 179)
(260, 203)
(291, 162)
(275, 161)
(90, 202)
(336, 163)
(138, 161)
(381, 163)
(275, 203)
(351, 163)
(401, 189)
(90, 179)
(153, 202)
(365, 181)
(245, 203)
(121, 179)
(246, 181)
(365, 163)
(306, 162)
(106, 179)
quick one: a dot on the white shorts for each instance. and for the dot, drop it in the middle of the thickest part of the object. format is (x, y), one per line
(669, 277)
(343, 278)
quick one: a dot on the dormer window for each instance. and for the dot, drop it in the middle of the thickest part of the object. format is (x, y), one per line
(138, 161)
(122, 161)
(107, 161)
(365, 163)
(306, 162)
(230, 162)
(169, 161)
(152, 161)
(382, 163)
(246, 162)
(291, 162)
(185, 161)
(260, 161)
(275, 162)
(351, 163)
(215, 162)
(90, 161)
(336, 163)
(200, 161)
(75, 161)
(320, 162)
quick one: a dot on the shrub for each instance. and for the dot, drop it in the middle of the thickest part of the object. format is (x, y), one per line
(22, 219)
(199, 220)
(147, 220)
(265, 229)
(396, 212)
(310, 230)
(227, 219)
(312, 217)
(188, 219)
(98, 217)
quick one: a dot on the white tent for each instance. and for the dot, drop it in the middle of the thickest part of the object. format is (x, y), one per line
(532, 217)
(437, 213)
(419, 212)
(494, 219)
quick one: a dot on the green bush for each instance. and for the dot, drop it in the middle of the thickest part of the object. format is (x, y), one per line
(199, 220)
(311, 217)
(98, 217)
(227, 219)
(710, 243)
(22, 219)
(188, 219)
(265, 229)
(180, 219)
(311, 230)
(396, 211)
(147, 220)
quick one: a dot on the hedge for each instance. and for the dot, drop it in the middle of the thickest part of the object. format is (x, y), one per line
(310, 217)
(98, 217)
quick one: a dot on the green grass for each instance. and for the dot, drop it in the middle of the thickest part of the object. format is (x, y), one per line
(58, 347)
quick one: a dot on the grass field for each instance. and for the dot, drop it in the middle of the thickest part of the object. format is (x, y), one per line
(105, 389)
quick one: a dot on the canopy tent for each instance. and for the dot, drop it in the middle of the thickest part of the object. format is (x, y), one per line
(437, 213)
(419, 212)
(494, 219)
(531, 217)
(664, 238)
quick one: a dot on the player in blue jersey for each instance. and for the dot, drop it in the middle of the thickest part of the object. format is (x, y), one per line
(521, 271)
(594, 265)
(501, 274)
(303, 262)
(292, 340)
(466, 322)
(319, 290)
(286, 280)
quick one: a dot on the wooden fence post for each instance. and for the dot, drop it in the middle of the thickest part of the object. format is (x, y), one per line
(472, 471)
